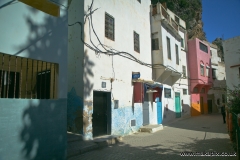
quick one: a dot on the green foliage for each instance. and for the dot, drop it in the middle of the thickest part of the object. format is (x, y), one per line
(233, 98)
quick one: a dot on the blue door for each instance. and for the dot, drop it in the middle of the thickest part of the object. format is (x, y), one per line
(159, 110)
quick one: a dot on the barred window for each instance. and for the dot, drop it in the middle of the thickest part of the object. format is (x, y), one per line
(155, 44)
(136, 42)
(109, 26)
(168, 48)
(27, 78)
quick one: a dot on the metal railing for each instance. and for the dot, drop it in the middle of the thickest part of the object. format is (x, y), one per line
(27, 78)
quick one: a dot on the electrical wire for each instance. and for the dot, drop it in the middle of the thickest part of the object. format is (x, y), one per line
(108, 50)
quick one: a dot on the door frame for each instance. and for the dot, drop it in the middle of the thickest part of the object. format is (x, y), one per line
(108, 112)
(177, 94)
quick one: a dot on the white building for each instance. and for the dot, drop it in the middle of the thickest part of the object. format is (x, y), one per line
(232, 61)
(100, 88)
(217, 93)
(169, 49)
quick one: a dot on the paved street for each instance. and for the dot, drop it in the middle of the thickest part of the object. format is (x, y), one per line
(196, 134)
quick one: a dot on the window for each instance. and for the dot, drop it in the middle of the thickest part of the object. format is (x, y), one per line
(223, 98)
(177, 19)
(184, 71)
(184, 91)
(182, 43)
(207, 71)
(211, 52)
(195, 90)
(203, 90)
(167, 92)
(155, 43)
(136, 42)
(202, 69)
(168, 48)
(203, 47)
(27, 78)
(218, 101)
(177, 55)
(239, 72)
(214, 73)
(109, 26)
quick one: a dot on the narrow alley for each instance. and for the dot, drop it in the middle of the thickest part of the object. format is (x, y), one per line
(205, 133)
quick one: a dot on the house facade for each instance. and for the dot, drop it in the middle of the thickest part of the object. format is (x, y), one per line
(232, 61)
(169, 58)
(217, 93)
(109, 67)
(199, 59)
(33, 80)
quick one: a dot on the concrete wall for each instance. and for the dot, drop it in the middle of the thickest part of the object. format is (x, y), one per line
(30, 33)
(231, 58)
(33, 129)
(219, 84)
(91, 69)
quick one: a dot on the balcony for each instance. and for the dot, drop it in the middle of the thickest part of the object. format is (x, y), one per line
(160, 13)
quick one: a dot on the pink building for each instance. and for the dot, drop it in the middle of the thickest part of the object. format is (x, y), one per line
(199, 62)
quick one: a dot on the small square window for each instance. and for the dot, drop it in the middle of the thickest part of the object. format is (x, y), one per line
(136, 42)
(167, 93)
(184, 91)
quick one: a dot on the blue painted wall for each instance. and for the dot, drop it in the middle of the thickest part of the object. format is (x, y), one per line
(121, 119)
(33, 129)
(74, 112)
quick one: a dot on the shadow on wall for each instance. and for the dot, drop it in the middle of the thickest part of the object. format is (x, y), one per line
(44, 130)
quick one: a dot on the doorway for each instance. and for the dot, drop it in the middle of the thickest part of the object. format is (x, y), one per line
(209, 106)
(177, 105)
(101, 121)
(201, 105)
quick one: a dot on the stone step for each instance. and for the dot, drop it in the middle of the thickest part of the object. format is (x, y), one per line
(151, 128)
(76, 146)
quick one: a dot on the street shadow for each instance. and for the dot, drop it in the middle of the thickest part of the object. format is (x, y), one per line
(154, 149)
(44, 130)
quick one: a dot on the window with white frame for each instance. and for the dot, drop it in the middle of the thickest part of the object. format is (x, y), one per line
(202, 69)
(167, 93)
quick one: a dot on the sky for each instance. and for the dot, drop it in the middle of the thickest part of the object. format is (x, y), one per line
(221, 18)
